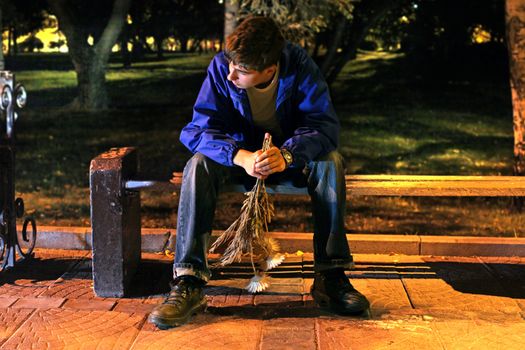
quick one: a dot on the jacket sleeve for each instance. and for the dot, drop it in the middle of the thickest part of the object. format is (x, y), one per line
(318, 130)
(207, 133)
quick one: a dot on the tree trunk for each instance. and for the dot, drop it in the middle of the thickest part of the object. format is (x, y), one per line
(90, 61)
(515, 25)
(231, 9)
(92, 87)
(366, 15)
(9, 41)
(124, 52)
(160, 50)
(15, 45)
(335, 42)
(184, 44)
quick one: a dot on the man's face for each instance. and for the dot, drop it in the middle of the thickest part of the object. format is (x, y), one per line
(246, 78)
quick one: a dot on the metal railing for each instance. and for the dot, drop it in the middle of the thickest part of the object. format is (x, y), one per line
(12, 97)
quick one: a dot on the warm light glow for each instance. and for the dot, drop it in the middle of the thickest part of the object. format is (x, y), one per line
(480, 35)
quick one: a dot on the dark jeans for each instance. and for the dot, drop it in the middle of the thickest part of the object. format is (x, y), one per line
(201, 183)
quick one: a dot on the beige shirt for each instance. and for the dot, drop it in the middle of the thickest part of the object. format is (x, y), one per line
(263, 106)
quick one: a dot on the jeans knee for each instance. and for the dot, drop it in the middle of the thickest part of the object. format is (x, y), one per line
(333, 158)
(196, 164)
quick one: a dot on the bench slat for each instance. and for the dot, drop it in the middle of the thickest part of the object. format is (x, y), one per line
(384, 185)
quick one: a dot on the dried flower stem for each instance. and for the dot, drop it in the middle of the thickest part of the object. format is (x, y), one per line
(246, 236)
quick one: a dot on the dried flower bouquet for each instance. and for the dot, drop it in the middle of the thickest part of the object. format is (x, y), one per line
(247, 235)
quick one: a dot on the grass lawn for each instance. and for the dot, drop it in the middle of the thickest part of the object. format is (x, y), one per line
(393, 121)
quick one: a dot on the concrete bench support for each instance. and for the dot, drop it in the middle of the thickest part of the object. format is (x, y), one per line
(115, 221)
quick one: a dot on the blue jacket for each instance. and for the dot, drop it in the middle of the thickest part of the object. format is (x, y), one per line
(222, 120)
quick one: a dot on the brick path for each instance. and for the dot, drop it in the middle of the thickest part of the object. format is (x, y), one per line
(418, 302)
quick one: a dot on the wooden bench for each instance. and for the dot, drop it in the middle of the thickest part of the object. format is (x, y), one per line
(115, 187)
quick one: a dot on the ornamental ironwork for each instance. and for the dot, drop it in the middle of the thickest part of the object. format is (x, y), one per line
(13, 97)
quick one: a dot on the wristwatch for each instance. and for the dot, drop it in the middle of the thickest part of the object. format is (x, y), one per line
(287, 155)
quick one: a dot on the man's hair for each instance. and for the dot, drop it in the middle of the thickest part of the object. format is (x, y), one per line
(255, 44)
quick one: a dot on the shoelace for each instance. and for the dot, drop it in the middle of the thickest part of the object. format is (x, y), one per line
(178, 294)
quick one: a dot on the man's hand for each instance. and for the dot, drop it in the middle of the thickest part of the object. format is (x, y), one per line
(246, 160)
(270, 162)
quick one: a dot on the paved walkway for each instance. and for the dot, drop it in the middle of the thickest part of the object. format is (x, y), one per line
(418, 302)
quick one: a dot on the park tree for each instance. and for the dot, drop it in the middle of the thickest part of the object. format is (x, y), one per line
(197, 21)
(21, 17)
(231, 11)
(91, 30)
(515, 19)
(334, 29)
(350, 31)
(148, 18)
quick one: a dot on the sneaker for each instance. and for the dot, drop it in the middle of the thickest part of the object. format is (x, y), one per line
(332, 290)
(185, 299)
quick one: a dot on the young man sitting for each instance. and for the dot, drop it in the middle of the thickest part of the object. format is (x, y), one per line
(261, 84)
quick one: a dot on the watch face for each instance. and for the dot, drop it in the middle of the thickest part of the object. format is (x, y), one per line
(287, 156)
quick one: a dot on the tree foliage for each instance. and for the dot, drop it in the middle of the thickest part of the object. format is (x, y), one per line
(299, 20)
(21, 17)
(333, 29)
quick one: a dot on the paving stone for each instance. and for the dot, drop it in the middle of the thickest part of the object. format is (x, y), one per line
(154, 300)
(74, 329)
(437, 294)
(288, 333)
(478, 334)
(457, 301)
(134, 307)
(73, 288)
(285, 285)
(238, 300)
(279, 300)
(228, 293)
(35, 276)
(375, 335)
(216, 300)
(226, 286)
(38, 303)
(7, 301)
(510, 274)
(10, 320)
(89, 304)
(459, 270)
(25, 287)
(204, 331)
(385, 296)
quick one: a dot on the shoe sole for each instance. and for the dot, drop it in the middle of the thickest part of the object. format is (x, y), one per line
(168, 322)
(324, 302)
